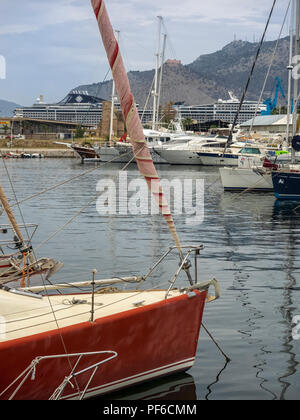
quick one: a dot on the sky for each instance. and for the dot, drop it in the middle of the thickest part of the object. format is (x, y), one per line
(51, 46)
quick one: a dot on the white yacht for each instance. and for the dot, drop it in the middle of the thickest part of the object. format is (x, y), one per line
(250, 174)
(186, 153)
(216, 156)
(120, 152)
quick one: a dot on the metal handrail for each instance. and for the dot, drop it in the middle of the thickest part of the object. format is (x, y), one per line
(184, 265)
(31, 371)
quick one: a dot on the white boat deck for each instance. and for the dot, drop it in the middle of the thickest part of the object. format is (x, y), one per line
(22, 316)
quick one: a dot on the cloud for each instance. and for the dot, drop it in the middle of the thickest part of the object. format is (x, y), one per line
(239, 12)
(59, 39)
(17, 28)
(34, 15)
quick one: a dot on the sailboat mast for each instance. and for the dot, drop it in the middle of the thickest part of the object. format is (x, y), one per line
(161, 75)
(290, 69)
(10, 215)
(296, 85)
(111, 127)
(155, 94)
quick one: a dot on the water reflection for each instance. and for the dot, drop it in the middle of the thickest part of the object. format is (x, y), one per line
(177, 387)
(280, 224)
(285, 212)
(216, 381)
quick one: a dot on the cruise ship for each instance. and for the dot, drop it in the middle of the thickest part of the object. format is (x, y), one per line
(222, 110)
(77, 107)
(82, 108)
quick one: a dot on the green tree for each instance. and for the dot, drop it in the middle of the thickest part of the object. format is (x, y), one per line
(79, 133)
(5, 128)
(187, 122)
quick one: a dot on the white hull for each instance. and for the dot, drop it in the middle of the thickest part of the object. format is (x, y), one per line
(113, 154)
(217, 159)
(179, 156)
(240, 179)
(123, 154)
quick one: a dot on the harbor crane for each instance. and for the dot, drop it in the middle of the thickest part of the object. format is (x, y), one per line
(272, 102)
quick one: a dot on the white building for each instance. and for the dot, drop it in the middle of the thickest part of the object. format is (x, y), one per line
(268, 124)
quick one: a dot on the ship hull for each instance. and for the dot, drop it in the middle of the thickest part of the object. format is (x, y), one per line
(240, 179)
(150, 342)
(286, 185)
(218, 159)
(123, 154)
(179, 157)
(86, 153)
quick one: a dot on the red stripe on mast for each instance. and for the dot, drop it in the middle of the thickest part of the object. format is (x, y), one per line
(97, 8)
(114, 56)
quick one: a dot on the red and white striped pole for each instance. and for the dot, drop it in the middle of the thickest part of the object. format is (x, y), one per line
(130, 114)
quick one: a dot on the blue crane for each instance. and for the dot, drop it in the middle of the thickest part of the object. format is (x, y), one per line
(272, 103)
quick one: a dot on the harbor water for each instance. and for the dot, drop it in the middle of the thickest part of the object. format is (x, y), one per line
(251, 246)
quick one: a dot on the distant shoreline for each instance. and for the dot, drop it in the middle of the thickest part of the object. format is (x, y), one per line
(45, 152)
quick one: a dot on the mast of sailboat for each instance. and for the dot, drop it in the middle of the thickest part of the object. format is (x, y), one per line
(111, 127)
(290, 74)
(296, 84)
(161, 75)
(10, 215)
(155, 92)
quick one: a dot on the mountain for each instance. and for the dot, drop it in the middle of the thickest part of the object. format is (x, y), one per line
(7, 108)
(231, 66)
(210, 76)
(179, 84)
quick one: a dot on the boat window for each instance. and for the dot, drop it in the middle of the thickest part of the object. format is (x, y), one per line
(214, 145)
(250, 150)
(150, 139)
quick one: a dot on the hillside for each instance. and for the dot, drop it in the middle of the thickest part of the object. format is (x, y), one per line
(210, 76)
(230, 67)
(7, 108)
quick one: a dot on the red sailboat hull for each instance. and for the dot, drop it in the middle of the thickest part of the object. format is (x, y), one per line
(150, 342)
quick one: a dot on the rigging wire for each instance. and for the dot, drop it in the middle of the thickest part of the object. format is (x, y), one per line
(83, 208)
(169, 41)
(68, 180)
(270, 66)
(229, 141)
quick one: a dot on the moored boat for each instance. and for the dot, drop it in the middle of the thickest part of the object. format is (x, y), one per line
(86, 153)
(186, 153)
(250, 174)
(150, 333)
(286, 183)
(71, 345)
(18, 262)
(230, 157)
